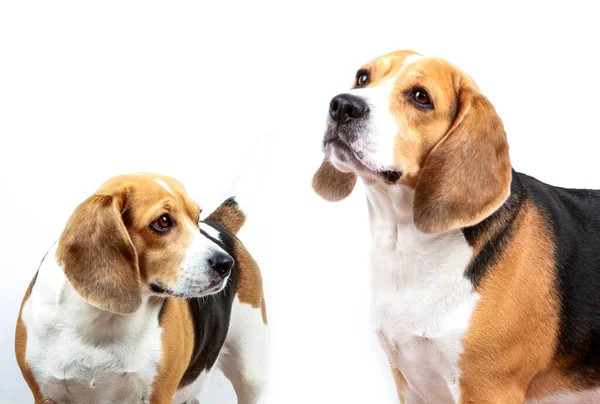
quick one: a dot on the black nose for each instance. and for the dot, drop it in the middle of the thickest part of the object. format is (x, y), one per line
(345, 107)
(222, 263)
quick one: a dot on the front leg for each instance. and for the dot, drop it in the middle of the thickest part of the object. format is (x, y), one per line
(243, 359)
(400, 383)
(405, 395)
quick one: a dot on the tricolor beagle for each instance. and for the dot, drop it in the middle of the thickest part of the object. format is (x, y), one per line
(486, 282)
(139, 301)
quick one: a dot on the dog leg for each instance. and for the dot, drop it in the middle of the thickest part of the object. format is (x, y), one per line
(404, 394)
(243, 359)
(400, 383)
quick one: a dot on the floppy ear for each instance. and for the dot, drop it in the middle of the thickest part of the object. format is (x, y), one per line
(98, 257)
(332, 184)
(467, 175)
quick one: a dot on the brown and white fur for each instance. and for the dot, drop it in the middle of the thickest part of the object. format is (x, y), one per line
(484, 280)
(139, 301)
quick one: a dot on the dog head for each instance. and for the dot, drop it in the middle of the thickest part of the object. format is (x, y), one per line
(422, 123)
(140, 234)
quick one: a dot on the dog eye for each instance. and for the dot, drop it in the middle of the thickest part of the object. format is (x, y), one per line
(162, 224)
(421, 98)
(362, 78)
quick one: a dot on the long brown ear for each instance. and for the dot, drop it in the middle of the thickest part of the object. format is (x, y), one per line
(467, 175)
(332, 184)
(98, 257)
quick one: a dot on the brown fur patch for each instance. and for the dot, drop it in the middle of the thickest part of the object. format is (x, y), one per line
(249, 290)
(513, 330)
(21, 349)
(177, 347)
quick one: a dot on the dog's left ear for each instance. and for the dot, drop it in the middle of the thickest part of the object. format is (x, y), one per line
(98, 256)
(467, 175)
(332, 184)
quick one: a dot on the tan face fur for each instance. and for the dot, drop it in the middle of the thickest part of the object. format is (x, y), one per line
(451, 150)
(112, 249)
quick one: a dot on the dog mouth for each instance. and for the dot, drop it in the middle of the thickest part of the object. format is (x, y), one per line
(195, 291)
(334, 144)
(216, 286)
(336, 141)
(334, 136)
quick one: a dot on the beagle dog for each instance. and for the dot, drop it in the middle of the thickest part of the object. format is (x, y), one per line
(485, 281)
(139, 301)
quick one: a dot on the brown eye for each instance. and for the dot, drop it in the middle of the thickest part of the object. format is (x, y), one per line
(162, 224)
(421, 97)
(362, 78)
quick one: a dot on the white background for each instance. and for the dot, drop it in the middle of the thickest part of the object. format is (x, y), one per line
(89, 90)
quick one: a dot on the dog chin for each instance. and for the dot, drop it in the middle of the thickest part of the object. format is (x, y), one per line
(343, 157)
(342, 164)
(347, 161)
(192, 290)
(367, 171)
(216, 287)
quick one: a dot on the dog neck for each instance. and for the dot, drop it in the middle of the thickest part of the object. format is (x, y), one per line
(55, 297)
(389, 203)
(392, 224)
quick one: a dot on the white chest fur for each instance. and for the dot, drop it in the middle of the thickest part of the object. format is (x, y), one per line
(81, 354)
(422, 303)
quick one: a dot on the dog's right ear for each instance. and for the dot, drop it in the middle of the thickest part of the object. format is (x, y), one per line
(332, 184)
(98, 256)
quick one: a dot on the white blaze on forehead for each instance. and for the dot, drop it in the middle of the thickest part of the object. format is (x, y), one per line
(211, 231)
(164, 185)
(408, 61)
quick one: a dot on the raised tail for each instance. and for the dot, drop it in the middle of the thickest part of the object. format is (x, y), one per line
(228, 215)
(232, 213)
